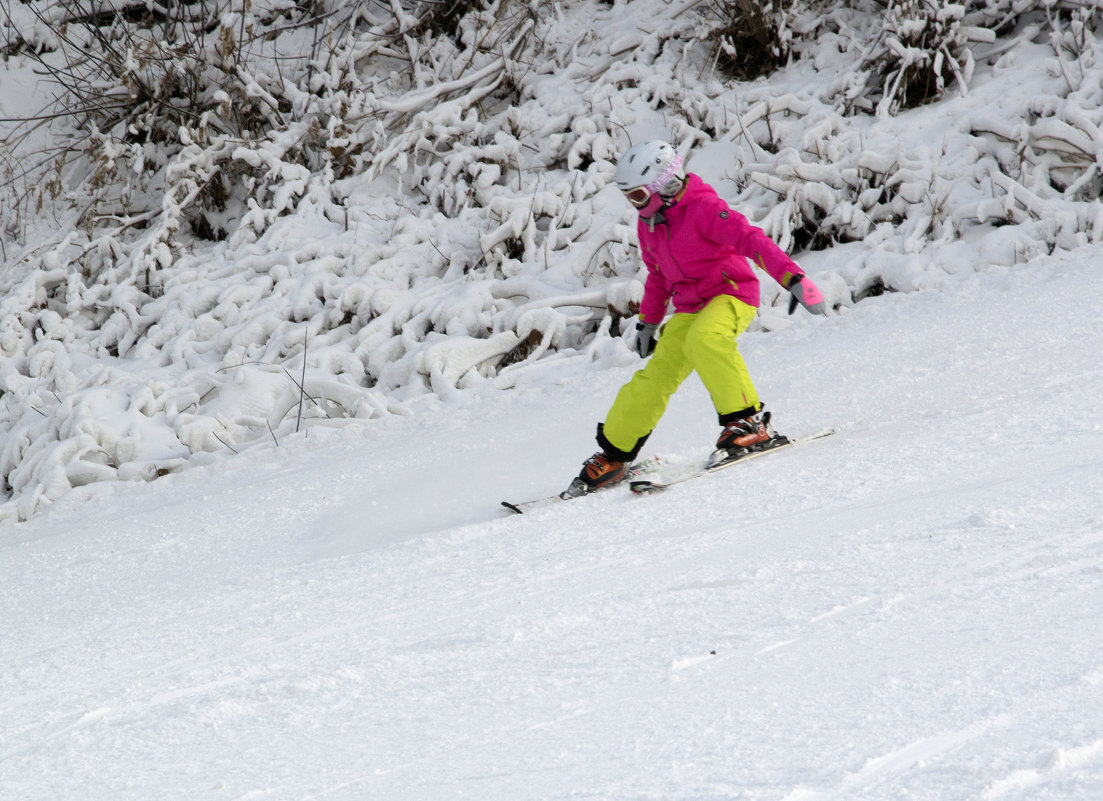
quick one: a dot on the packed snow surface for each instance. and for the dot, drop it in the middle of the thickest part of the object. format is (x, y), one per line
(909, 609)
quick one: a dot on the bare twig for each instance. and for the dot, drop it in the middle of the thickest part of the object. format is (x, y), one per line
(302, 384)
(224, 442)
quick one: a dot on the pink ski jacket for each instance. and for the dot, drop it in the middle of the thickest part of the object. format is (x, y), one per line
(701, 250)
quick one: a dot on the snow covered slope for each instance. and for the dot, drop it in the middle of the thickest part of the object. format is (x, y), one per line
(910, 609)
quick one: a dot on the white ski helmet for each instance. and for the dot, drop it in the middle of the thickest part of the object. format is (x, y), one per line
(651, 164)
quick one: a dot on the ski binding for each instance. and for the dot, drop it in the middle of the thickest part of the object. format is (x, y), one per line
(719, 462)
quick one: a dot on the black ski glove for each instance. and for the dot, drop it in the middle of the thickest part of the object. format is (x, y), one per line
(644, 343)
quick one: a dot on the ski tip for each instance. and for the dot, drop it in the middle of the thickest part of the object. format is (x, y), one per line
(513, 507)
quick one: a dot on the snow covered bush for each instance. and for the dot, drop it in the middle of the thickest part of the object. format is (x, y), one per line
(750, 38)
(1045, 166)
(182, 118)
(924, 48)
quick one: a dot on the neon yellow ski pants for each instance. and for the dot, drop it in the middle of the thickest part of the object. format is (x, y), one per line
(703, 341)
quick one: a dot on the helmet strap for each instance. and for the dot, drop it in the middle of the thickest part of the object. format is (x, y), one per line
(655, 219)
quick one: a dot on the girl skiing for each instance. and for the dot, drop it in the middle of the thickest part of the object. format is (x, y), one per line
(696, 250)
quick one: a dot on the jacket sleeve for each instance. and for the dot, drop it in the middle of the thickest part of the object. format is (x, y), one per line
(656, 296)
(723, 226)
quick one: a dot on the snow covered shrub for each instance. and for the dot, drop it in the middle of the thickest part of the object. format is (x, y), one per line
(1045, 170)
(1073, 42)
(834, 185)
(158, 115)
(442, 16)
(750, 38)
(924, 48)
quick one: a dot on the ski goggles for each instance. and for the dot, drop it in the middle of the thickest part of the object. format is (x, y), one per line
(638, 197)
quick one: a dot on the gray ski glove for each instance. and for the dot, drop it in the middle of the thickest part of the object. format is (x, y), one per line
(644, 343)
(807, 294)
